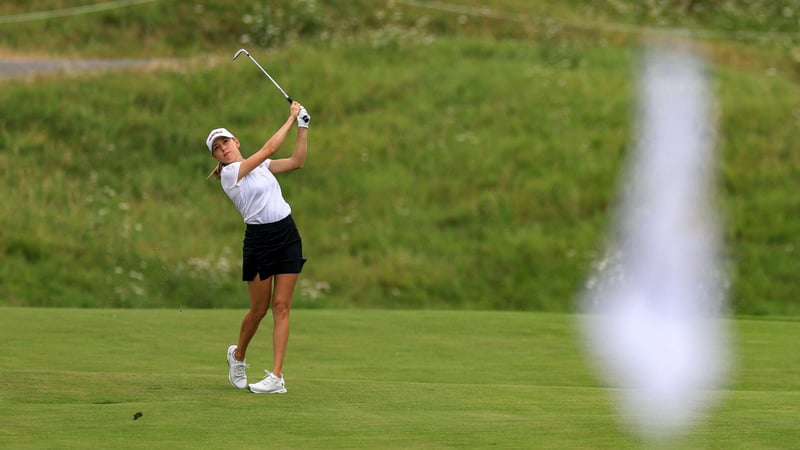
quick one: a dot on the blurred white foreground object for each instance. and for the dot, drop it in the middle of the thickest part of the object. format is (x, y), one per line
(651, 311)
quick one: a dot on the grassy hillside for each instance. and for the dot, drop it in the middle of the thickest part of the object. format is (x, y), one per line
(457, 159)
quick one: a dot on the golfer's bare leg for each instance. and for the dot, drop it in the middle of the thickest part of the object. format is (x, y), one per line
(260, 291)
(281, 304)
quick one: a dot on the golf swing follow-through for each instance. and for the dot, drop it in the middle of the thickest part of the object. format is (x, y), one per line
(272, 250)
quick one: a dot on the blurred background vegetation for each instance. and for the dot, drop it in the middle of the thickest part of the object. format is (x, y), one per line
(463, 154)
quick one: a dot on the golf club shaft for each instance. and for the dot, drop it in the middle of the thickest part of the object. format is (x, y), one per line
(289, 99)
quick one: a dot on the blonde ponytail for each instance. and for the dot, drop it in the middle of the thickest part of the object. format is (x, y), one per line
(215, 174)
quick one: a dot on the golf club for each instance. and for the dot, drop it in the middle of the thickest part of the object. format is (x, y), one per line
(289, 99)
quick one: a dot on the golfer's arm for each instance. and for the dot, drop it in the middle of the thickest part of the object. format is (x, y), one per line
(268, 149)
(298, 158)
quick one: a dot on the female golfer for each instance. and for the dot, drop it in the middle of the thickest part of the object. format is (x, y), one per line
(272, 251)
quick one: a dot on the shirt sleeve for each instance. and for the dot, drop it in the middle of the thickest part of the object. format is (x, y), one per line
(229, 175)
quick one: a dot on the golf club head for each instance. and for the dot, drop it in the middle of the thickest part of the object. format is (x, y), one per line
(239, 52)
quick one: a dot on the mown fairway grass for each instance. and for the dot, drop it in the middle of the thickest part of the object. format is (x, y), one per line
(74, 378)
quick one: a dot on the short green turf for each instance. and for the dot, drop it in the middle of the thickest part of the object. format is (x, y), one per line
(75, 378)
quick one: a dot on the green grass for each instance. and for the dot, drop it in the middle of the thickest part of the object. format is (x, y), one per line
(481, 204)
(455, 162)
(74, 378)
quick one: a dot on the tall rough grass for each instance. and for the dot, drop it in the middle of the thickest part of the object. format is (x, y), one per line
(445, 170)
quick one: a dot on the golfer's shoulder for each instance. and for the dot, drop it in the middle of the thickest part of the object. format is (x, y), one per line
(229, 174)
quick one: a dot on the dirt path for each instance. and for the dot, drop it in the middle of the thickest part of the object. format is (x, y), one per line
(24, 68)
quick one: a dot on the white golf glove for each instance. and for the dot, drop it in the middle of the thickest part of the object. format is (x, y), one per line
(303, 118)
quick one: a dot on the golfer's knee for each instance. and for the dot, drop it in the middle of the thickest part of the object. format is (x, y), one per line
(280, 310)
(258, 312)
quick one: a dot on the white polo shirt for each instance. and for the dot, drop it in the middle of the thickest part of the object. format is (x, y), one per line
(257, 195)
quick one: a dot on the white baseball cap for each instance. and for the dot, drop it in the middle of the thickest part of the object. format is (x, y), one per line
(217, 133)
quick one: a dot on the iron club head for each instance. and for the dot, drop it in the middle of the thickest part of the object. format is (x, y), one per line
(239, 52)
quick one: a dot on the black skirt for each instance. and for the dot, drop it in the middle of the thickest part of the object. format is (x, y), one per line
(272, 248)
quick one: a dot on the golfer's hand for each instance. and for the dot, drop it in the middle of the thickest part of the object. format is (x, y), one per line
(303, 118)
(294, 109)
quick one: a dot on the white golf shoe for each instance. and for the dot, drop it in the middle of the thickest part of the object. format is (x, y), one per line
(271, 384)
(236, 369)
